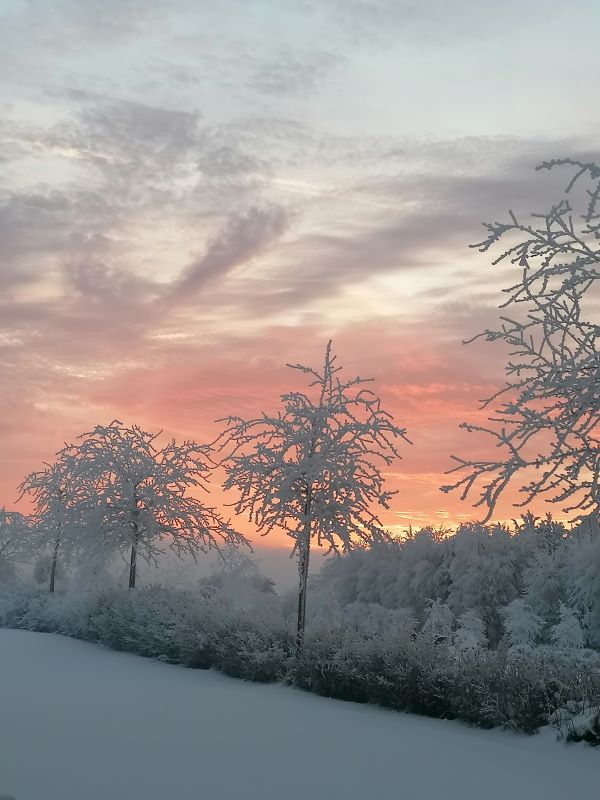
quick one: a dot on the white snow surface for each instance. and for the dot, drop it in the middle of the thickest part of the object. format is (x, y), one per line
(79, 722)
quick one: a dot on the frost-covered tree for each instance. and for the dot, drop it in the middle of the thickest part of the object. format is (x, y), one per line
(567, 633)
(439, 622)
(422, 573)
(582, 581)
(142, 491)
(61, 510)
(523, 627)
(483, 565)
(47, 569)
(469, 636)
(542, 534)
(14, 543)
(373, 619)
(546, 425)
(544, 583)
(313, 469)
(13, 528)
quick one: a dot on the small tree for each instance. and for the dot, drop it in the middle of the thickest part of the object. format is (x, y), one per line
(547, 428)
(142, 494)
(60, 504)
(14, 543)
(313, 468)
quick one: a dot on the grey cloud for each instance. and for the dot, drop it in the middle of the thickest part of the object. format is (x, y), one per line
(36, 226)
(120, 134)
(104, 305)
(243, 237)
(101, 284)
(226, 161)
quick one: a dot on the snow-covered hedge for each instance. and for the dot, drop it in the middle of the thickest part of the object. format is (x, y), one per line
(428, 671)
(424, 676)
(174, 626)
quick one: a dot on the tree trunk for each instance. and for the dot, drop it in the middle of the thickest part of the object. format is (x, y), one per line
(134, 550)
(303, 575)
(54, 563)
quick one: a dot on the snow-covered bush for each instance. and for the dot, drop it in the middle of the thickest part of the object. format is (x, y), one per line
(586, 728)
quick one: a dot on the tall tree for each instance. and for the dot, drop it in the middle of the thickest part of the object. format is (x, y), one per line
(313, 469)
(142, 494)
(547, 424)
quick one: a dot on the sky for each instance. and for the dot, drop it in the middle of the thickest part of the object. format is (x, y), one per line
(193, 194)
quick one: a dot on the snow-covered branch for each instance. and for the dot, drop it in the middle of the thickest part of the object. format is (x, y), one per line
(547, 425)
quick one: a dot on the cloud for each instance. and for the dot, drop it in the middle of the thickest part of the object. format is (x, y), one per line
(224, 161)
(290, 75)
(139, 149)
(243, 237)
(78, 22)
(38, 227)
(436, 22)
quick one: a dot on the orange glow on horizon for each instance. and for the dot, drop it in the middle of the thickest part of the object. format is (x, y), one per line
(429, 388)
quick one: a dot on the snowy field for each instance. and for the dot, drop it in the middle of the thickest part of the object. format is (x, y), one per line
(78, 722)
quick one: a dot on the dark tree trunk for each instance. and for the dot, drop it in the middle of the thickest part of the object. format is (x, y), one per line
(303, 560)
(134, 551)
(54, 563)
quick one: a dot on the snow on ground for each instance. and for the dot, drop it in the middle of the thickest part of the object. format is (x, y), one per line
(78, 722)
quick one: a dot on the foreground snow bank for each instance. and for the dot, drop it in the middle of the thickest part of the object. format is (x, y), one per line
(78, 721)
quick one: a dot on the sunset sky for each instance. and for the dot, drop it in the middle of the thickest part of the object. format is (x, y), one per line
(195, 193)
